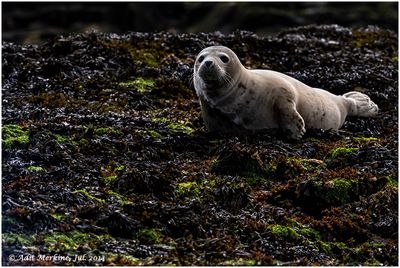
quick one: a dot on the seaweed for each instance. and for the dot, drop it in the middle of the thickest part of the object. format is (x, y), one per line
(105, 155)
(14, 135)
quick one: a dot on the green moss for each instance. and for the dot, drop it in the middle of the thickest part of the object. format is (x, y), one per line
(154, 134)
(152, 236)
(59, 217)
(336, 191)
(71, 241)
(392, 181)
(110, 179)
(83, 142)
(311, 164)
(110, 175)
(179, 127)
(196, 190)
(61, 139)
(312, 140)
(361, 38)
(342, 151)
(36, 169)
(295, 161)
(149, 56)
(64, 139)
(284, 231)
(160, 120)
(288, 168)
(304, 230)
(169, 88)
(372, 262)
(270, 167)
(107, 91)
(329, 247)
(19, 239)
(14, 135)
(188, 189)
(342, 183)
(364, 139)
(120, 168)
(340, 245)
(107, 130)
(208, 184)
(123, 260)
(310, 233)
(89, 196)
(341, 190)
(139, 84)
(215, 163)
(240, 262)
(339, 153)
(304, 163)
(217, 142)
(323, 246)
(123, 200)
(52, 100)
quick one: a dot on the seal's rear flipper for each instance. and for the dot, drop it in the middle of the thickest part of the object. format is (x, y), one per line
(360, 104)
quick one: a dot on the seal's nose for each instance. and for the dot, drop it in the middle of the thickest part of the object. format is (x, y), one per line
(208, 63)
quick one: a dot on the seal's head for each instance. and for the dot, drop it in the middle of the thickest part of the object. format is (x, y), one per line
(215, 70)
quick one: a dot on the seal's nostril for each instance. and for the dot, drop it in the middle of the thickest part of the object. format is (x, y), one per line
(208, 63)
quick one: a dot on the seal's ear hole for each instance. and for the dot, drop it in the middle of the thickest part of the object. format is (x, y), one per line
(201, 58)
(224, 58)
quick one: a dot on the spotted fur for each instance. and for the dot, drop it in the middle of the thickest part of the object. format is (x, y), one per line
(234, 99)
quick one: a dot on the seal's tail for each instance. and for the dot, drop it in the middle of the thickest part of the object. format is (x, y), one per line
(361, 104)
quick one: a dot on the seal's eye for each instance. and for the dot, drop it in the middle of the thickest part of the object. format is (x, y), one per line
(224, 59)
(200, 59)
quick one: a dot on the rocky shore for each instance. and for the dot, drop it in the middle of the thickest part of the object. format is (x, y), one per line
(106, 160)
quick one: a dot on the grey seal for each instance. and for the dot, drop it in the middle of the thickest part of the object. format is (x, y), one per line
(234, 99)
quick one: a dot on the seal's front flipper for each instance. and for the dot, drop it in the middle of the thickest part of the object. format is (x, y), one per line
(290, 120)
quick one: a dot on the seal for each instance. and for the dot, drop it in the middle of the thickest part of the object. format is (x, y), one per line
(234, 99)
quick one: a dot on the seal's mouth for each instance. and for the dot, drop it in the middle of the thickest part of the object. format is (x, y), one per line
(210, 76)
(211, 81)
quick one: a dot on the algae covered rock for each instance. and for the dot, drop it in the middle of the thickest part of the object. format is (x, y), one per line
(105, 153)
